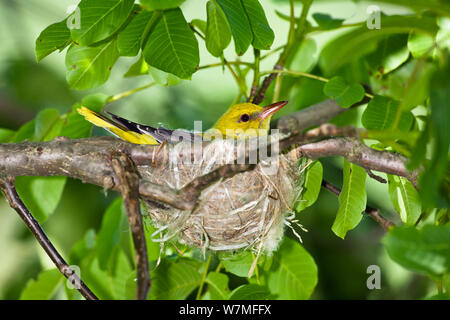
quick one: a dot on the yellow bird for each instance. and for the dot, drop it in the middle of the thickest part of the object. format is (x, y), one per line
(240, 120)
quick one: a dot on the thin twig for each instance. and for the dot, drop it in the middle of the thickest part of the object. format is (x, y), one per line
(202, 283)
(372, 212)
(219, 64)
(129, 92)
(259, 97)
(129, 186)
(256, 75)
(294, 38)
(296, 73)
(314, 115)
(375, 177)
(8, 188)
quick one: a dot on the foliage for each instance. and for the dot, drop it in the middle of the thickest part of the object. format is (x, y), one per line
(405, 63)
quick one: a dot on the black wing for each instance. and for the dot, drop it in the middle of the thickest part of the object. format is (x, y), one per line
(160, 134)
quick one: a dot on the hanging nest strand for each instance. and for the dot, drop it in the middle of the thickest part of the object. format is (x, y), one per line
(246, 211)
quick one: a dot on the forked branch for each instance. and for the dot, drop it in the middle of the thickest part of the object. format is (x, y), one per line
(8, 188)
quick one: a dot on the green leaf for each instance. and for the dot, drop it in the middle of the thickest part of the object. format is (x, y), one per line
(44, 121)
(171, 46)
(405, 199)
(443, 35)
(163, 78)
(99, 280)
(360, 41)
(263, 35)
(305, 58)
(343, 93)
(100, 19)
(419, 44)
(238, 264)
(55, 36)
(119, 275)
(293, 275)
(153, 247)
(432, 182)
(380, 113)
(112, 283)
(313, 183)
(6, 135)
(426, 250)
(417, 88)
(174, 281)
(138, 68)
(90, 67)
(95, 101)
(75, 125)
(391, 53)
(151, 5)
(26, 131)
(129, 39)
(109, 233)
(46, 126)
(352, 200)
(41, 195)
(327, 22)
(44, 287)
(218, 32)
(239, 23)
(82, 248)
(200, 24)
(218, 286)
(419, 152)
(250, 292)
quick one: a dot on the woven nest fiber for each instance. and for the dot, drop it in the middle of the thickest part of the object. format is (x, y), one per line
(246, 211)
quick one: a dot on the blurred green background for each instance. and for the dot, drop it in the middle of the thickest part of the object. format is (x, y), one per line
(27, 87)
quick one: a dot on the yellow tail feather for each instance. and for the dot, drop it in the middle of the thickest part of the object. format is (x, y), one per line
(127, 135)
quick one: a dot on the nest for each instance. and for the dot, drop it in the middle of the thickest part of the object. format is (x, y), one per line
(246, 211)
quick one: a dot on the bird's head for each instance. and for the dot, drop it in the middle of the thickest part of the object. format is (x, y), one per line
(247, 119)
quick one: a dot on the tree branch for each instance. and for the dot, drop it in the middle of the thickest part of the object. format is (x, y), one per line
(128, 180)
(8, 188)
(372, 212)
(87, 160)
(358, 153)
(312, 116)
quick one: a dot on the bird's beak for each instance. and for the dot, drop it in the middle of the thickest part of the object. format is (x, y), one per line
(271, 109)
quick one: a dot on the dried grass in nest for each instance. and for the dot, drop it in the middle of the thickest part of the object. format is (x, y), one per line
(246, 211)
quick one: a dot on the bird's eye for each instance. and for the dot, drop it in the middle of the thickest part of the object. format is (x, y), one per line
(245, 117)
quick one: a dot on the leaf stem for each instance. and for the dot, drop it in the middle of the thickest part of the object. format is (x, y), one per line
(306, 75)
(200, 288)
(342, 26)
(256, 74)
(276, 94)
(291, 35)
(129, 92)
(219, 64)
(271, 52)
(296, 73)
(241, 84)
(196, 31)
